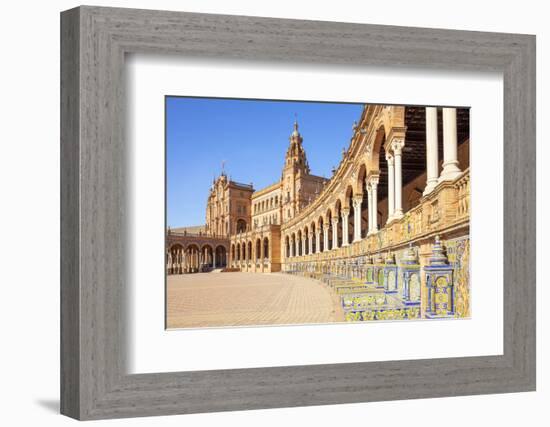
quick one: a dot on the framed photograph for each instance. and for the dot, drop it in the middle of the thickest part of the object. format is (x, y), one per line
(262, 213)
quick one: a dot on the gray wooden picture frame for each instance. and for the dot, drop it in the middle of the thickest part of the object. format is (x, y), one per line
(94, 382)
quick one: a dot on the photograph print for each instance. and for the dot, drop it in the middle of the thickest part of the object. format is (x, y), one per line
(289, 212)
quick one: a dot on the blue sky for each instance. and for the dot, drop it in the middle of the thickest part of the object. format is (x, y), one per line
(251, 137)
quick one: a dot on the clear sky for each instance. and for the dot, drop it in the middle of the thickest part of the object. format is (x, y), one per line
(251, 137)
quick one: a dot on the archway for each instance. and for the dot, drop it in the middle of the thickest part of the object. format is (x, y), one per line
(328, 225)
(220, 259)
(258, 249)
(321, 234)
(175, 261)
(241, 226)
(266, 248)
(249, 254)
(207, 257)
(313, 230)
(306, 240)
(193, 258)
(340, 226)
(362, 189)
(350, 226)
(287, 244)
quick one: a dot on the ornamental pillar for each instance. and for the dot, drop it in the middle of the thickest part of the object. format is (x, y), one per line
(317, 241)
(357, 201)
(310, 243)
(432, 158)
(325, 239)
(345, 230)
(450, 148)
(391, 186)
(335, 233)
(373, 185)
(304, 238)
(369, 208)
(397, 146)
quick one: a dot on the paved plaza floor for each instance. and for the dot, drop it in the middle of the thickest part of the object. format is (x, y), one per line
(239, 299)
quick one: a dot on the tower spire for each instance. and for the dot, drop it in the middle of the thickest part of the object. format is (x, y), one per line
(295, 131)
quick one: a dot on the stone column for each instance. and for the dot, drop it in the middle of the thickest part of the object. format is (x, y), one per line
(450, 148)
(325, 238)
(391, 186)
(432, 159)
(373, 184)
(214, 258)
(304, 245)
(369, 207)
(345, 230)
(292, 245)
(334, 233)
(310, 242)
(357, 201)
(317, 241)
(397, 146)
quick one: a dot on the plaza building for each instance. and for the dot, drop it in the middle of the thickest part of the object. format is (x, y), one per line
(388, 232)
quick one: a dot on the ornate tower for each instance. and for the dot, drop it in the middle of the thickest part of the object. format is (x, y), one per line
(296, 167)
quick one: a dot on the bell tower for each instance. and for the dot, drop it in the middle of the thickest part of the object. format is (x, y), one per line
(295, 168)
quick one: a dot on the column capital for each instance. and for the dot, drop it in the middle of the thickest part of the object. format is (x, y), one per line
(357, 199)
(389, 157)
(345, 211)
(334, 220)
(374, 180)
(397, 145)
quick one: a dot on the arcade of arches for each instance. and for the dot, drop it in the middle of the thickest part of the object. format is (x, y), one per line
(388, 232)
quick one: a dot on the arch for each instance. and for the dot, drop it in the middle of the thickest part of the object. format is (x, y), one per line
(175, 259)
(351, 217)
(207, 253)
(340, 227)
(361, 188)
(243, 251)
(241, 226)
(220, 256)
(266, 248)
(329, 244)
(306, 240)
(374, 158)
(287, 246)
(313, 230)
(192, 258)
(359, 184)
(258, 249)
(348, 195)
(321, 228)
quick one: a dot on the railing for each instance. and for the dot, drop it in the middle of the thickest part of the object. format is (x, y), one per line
(199, 234)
